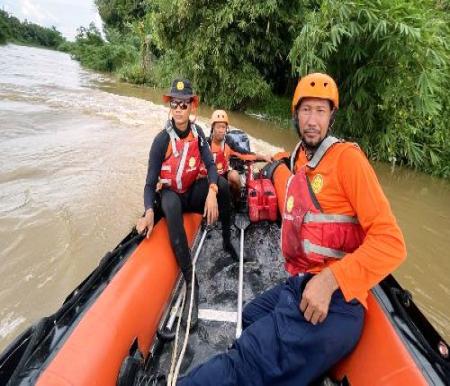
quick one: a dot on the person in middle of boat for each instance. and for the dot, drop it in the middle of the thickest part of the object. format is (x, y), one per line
(223, 149)
(173, 167)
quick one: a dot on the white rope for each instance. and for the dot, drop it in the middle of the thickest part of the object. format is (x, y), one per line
(175, 345)
(173, 374)
(186, 335)
(240, 286)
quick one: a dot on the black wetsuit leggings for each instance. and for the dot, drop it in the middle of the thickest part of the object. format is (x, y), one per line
(175, 204)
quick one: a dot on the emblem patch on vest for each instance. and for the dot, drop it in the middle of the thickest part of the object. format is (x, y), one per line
(317, 183)
(180, 86)
(290, 204)
(191, 162)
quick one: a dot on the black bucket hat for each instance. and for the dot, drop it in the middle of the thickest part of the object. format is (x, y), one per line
(181, 88)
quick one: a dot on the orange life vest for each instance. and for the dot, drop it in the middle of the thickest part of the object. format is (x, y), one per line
(220, 159)
(309, 236)
(181, 168)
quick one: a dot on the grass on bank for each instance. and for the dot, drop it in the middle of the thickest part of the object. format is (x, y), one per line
(274, 108)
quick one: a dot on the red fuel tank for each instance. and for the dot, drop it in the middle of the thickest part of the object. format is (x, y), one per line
(262, 200)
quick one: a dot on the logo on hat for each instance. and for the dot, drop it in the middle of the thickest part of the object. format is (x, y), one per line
(180, 85)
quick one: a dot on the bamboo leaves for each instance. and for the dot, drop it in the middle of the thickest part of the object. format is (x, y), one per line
(391, 60)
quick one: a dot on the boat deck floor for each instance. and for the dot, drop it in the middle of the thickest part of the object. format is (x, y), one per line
(218, 277)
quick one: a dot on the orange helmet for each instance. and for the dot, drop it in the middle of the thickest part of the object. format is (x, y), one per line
(316, 85)
(219, 116)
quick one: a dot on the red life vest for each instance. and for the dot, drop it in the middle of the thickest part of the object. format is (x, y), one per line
(181, 168)
(220, 159)
(308, 236)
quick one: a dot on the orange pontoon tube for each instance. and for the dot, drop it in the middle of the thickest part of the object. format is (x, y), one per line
(130, 307)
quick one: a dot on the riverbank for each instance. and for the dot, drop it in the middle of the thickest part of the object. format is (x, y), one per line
(12, 30)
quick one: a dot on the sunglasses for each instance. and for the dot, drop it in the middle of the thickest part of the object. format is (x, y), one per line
(183, 104)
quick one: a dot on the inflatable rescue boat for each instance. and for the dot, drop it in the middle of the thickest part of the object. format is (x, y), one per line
(122, 314)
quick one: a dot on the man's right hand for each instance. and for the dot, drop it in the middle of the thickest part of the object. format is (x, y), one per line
(145, 224)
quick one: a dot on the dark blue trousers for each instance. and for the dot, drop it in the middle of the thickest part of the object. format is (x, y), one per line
(278, 346)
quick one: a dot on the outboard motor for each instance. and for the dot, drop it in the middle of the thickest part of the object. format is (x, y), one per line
(238, 140)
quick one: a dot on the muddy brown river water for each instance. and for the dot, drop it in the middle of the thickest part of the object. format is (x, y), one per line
(73, 157)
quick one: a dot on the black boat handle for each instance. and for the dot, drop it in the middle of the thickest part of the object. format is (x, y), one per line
(401, 301)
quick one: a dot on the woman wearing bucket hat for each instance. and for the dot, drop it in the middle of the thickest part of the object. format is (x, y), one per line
(174, 164)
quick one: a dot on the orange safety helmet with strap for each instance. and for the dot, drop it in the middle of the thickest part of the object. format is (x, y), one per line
(308, 236)
(220, 156)
(219, 116)
(181, 168)
(316, 85)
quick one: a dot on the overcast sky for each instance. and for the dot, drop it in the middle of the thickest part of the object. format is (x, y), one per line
(65, 15)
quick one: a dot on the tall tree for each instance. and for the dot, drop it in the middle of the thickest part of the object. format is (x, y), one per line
(234, 51)
(119, 14)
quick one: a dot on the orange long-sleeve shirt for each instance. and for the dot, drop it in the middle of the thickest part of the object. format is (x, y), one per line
(348, 185)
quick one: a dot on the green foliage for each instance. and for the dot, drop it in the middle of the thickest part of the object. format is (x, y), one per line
(119, 14)
(93, 52)
(12, 29)
(390, 59)
(66, 46)
(134, 73)
(234, 51)
(276, 108)
(3, 32)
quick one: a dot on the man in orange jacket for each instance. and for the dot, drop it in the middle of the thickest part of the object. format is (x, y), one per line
(339, 238)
